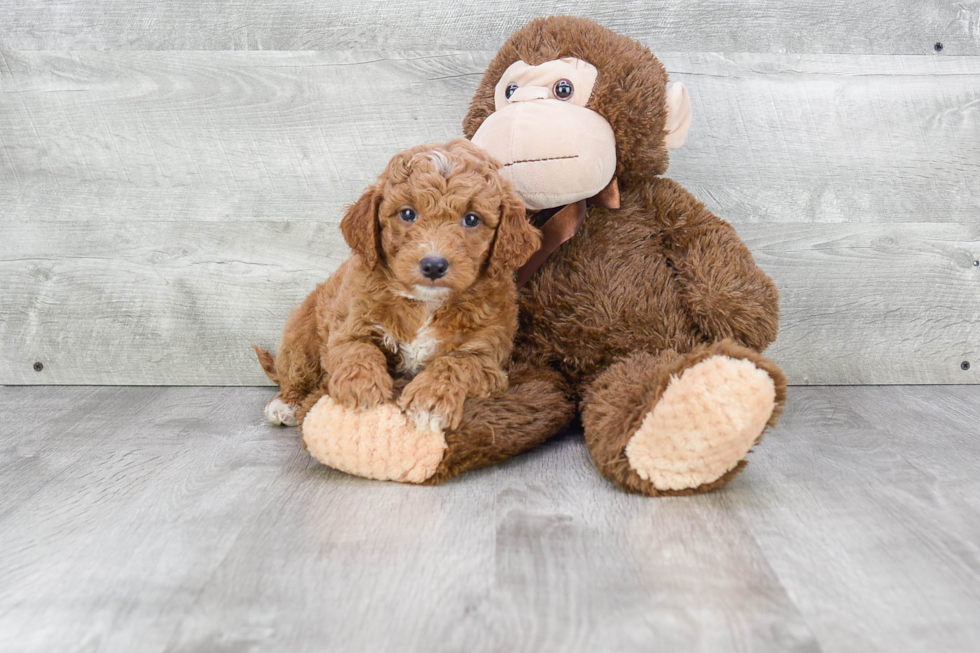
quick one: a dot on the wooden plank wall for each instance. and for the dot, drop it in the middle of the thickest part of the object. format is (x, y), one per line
(172, 174)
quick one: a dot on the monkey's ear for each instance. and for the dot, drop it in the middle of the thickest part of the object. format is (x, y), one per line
(360, 227)
(516, 239)
(678, 116)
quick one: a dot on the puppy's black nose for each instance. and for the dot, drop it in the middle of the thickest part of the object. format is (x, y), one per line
(433, 267)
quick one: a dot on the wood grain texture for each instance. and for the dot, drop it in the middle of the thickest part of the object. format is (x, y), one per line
(869, 512)
(177, 302)
(174, 519)
(775, 138)
(117, 507)
(877, 304)
(162, 210)
(808, 26)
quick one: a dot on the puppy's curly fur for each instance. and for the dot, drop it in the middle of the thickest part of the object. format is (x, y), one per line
(379, 322)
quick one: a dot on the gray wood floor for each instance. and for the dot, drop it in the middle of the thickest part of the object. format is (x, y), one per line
(174, 519)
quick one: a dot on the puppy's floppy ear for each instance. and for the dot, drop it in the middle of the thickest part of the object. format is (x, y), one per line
(360, 227)
(516, 239)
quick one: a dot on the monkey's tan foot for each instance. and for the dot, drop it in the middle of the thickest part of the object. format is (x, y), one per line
(379, 443)
(672, 423)
(703, 425)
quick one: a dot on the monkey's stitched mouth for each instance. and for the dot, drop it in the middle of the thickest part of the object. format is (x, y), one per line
(551, 158)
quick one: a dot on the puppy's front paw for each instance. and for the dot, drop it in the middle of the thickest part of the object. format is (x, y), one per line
(359, 388)
(430, 407)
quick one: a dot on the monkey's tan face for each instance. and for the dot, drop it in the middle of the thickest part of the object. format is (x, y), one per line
(553, 148)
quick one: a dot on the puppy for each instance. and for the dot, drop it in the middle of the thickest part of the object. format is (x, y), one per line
(428, 296)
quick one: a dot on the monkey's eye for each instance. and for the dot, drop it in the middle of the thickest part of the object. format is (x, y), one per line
(563, 89)
(471, 220)
(510, 90)
(407, 215)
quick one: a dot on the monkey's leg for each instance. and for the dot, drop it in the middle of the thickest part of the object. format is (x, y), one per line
(669, 423)
(382, 444)
(533, 409)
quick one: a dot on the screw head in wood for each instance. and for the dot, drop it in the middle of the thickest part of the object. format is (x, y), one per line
(938, 47)
(965, 365)
(38, 366)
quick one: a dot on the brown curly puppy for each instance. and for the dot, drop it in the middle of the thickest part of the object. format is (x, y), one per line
(427, 297)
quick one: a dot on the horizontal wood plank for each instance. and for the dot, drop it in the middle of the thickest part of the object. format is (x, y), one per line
(875, 304)
(223, 122)
(775, 138)
(778, 26)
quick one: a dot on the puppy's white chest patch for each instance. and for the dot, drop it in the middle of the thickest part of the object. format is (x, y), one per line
(418, 352)
(415, 354)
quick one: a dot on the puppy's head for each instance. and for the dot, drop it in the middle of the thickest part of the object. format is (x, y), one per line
(438, 218)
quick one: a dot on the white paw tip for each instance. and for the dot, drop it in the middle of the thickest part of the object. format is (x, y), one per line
(426, 421)
(278, 412)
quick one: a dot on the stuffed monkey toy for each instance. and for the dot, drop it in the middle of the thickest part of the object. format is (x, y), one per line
(643, 312)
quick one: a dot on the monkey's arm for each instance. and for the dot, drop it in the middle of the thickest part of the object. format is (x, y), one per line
(725, 292)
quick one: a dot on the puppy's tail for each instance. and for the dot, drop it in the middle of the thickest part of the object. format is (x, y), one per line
(268, 363)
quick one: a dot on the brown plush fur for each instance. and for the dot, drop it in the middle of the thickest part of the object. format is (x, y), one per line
(640, 293)
(659, 273)
(534, 409)
(377, 317)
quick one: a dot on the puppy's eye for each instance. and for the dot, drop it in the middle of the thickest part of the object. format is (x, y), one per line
(510, 90)
(563, 89)
(407, 215)
(471, 220)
